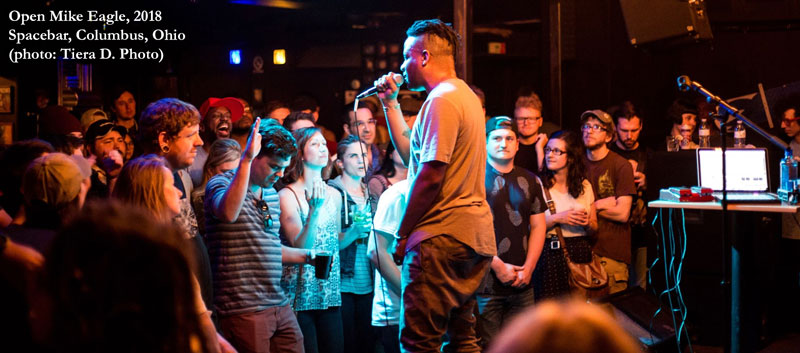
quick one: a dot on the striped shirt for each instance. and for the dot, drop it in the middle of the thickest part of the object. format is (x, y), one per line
(245, 256)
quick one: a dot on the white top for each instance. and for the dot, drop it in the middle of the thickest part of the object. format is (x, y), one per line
(565, 202)
(391, 207)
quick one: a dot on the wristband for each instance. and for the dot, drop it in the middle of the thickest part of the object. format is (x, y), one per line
(394, 106)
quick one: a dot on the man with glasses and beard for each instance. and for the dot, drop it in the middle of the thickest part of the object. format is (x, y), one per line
(611, 176)
(242, 223)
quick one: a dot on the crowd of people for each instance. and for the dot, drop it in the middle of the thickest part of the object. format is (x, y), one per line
(223, 229)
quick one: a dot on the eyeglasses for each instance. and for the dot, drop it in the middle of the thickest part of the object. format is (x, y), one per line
(264, 208)
(555, 151)
(592, 127)
(527, 120)
(360, 124)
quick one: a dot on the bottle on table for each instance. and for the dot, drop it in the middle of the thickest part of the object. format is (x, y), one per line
(739, 135)
(704, 133)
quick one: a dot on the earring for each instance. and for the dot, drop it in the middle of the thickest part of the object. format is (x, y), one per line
(165, 149)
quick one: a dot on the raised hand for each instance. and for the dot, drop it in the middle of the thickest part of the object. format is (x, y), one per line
(387, 88)
(315, 194)
(253, 146)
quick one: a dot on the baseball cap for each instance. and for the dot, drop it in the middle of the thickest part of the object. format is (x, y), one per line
(604, 118)
(233, 104)
(90, 116)
(501, 122)
(102, 127)
(54, 179)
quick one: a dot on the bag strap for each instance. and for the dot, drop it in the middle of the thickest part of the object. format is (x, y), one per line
(551, 205)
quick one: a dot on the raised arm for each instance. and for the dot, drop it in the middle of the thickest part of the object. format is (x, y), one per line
(398, 129)
(227, 207)
(301, 234)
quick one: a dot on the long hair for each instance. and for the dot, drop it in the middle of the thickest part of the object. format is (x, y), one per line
(387, 165)
(295, 169)
(141, 183)
(221, 151)
(576, 169)
(118, 278)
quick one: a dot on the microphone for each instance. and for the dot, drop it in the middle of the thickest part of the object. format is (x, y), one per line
(398, 79)
(684, 83)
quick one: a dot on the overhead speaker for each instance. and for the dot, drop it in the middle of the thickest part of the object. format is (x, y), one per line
(665, 21)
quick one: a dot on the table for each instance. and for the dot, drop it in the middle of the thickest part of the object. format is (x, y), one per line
(733, 260)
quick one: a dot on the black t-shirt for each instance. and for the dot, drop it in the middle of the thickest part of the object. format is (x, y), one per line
(527, 157)
(638, 216)
(513, 198)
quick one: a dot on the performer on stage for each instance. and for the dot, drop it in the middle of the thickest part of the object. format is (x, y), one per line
(446, 237)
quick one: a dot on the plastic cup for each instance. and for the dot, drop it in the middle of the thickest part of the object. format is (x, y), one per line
(322, 264)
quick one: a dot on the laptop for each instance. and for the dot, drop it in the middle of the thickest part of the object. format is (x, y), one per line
(747, 174)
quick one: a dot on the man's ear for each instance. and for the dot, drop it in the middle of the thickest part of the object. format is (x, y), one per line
(346, 129)
(426, 57)
(162, 140)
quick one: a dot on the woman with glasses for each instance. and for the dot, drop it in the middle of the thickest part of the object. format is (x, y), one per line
(310, 219)
(148, 183)
(563, 176)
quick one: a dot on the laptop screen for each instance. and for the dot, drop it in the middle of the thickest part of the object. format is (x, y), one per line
(746, 169)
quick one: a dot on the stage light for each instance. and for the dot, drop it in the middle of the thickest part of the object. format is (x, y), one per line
(279, 56)
(236, 57)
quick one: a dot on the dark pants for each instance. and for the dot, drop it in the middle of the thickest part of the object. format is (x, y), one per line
(498, 310)
(389, 337)
(440, 277)
(270, 330)
(357, 323)
(322, 330)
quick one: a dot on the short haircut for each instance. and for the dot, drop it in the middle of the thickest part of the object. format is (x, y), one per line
(530, 101)
(274, 105)
(443, 32)
(169, 115)
(373, 108)
(341, 148)
(790, 102)
(302, 102)
(276, 141)
(295, 116)
(626, 110)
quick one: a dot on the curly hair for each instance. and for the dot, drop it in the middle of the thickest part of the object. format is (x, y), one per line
(302, 136)
(530, 101)
(168, 115)
(576, 170)
(437, 28)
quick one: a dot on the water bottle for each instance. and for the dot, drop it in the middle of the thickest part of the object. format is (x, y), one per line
(704, 133)
(739, 135)
(788, 172)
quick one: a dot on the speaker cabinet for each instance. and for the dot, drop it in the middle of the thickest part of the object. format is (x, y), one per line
(665, 21)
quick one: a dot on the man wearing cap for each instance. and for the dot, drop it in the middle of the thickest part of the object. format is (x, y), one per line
(217, 118)
(515, 196)
(106, 143)
(611, 176)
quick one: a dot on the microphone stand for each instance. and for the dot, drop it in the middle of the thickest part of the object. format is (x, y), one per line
(731, 268)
